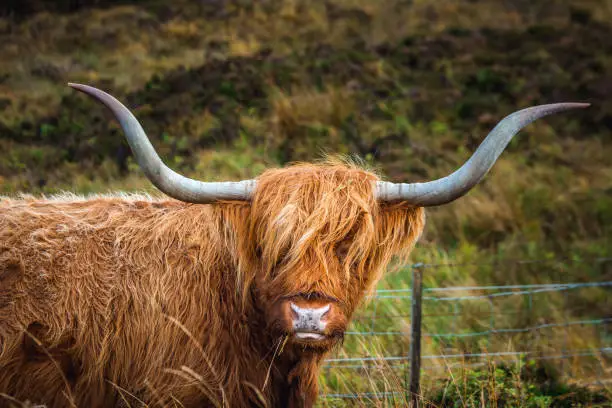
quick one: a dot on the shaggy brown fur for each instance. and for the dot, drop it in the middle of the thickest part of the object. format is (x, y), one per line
(113, 300)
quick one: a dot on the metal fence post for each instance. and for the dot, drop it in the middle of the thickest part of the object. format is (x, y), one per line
(415, 341)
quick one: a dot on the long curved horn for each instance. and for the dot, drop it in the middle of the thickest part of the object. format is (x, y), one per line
(453, 186)
(164, 178)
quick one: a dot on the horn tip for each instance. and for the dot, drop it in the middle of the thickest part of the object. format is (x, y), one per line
(89, 90)
(581, 104)
(77, 86)
(570, 105)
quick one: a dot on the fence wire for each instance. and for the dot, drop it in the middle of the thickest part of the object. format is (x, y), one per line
(364, 327)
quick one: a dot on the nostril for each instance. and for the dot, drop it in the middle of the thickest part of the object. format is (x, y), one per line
(325, 311)
(295, 311)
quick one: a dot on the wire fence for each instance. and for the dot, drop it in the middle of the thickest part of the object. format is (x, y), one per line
(467, 327)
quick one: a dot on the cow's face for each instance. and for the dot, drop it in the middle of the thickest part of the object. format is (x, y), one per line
(320, 242)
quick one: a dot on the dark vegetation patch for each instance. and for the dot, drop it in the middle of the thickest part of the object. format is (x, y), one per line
(470, 79)
(21, 9)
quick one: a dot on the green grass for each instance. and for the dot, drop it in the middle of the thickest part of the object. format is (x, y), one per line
(462, 327)
(227, 89)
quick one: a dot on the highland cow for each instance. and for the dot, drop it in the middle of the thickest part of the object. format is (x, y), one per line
(227, 294)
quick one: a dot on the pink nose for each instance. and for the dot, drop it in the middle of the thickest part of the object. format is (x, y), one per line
(309, 320)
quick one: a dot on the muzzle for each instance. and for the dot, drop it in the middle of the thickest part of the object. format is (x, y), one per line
(312, 320)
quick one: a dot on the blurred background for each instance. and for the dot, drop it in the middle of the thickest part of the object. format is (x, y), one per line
(228, 88)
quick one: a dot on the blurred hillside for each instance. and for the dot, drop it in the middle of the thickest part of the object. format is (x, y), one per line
(226, 89)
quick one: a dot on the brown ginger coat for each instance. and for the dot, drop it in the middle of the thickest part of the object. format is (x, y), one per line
(112, 300)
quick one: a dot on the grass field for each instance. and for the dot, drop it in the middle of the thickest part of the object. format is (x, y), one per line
(560, 367)
(229, 88)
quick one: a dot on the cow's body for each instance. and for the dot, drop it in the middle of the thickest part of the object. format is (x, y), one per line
(107, 301)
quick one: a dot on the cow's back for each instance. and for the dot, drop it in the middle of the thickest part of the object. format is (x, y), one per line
(82, 283)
